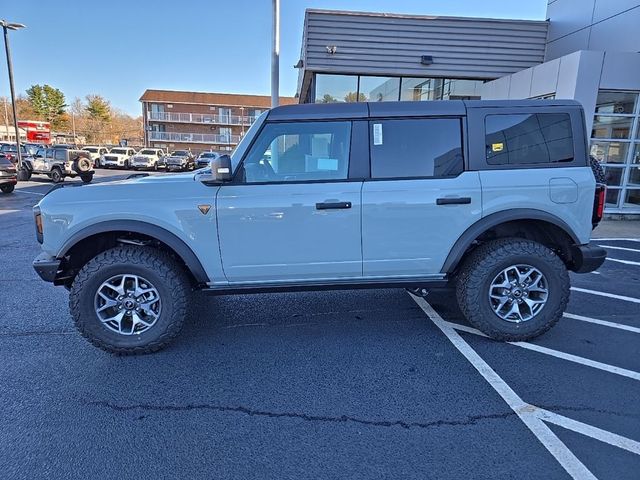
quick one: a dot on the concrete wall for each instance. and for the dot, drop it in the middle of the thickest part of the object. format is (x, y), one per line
(592, 25)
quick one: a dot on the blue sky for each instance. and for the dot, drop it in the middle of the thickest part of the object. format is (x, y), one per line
(120, 48)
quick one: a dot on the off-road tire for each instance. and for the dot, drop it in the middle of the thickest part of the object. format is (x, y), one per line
(24, 174)
(482, 266)
(56, 175)
(7, 188)
(159, 268)
(81, 165)
(86, 178)
(598, 171)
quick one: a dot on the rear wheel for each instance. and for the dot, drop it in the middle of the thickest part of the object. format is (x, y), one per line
(24, 174)
(7, 188)
(56, 175)
(513, 289)
(130, 300)
(86, 178)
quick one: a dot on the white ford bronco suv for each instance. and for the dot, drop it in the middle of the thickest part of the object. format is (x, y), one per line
(495, 199)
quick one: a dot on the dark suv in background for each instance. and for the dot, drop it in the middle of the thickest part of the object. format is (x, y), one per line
(8, 175)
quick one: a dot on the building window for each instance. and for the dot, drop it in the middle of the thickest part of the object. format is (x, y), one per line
(528, 139)
(379, 89)
(336, 88)
(416, 148)
(615, 142)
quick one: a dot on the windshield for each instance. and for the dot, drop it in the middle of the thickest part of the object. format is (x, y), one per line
(5, 163)
(208, 155)
(180, 153)
(147, 152)
(119, 150)
(243, 146)
(91, 149)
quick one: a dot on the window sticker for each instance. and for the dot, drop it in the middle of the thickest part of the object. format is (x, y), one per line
(377, 134)
(328, 164)
(497, 147)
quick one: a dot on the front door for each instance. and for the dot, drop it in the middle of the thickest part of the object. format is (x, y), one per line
(419, 199)
(292, 214)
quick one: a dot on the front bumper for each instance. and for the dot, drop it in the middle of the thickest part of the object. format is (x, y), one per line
(587, 258)
(46, 266)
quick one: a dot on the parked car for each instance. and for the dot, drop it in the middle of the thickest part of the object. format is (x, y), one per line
(147, 158)
(8, 175)
(180, 160)
(495, 199)
(10, 151)
(118, 157)
(205, 158)
(59, 162)
(96, 153)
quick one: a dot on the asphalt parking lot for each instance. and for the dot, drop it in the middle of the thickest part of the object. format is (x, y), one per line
(344, 384)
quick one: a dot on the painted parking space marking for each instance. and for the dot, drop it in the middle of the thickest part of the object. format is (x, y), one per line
(29, 193)
(555, 353)
(526, 412)
(626, 262)
(4, 212)
(626, 249)
(533, 417)
(604, 323)
(617, 239)
(605, 294)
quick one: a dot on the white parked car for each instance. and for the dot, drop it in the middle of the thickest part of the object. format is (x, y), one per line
(96, 153)
(118, 157)
(147, 158)
(204, 159)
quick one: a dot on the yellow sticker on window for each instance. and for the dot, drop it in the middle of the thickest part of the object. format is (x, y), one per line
(497, 147)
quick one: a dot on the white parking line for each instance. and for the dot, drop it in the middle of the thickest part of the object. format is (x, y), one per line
(604, 323)
(620, 248)
(4, 212)
(605, 294)
(532, 416)
(616, 239)
(626, 262)
(526, 412)
(30, 193)
(555, 353)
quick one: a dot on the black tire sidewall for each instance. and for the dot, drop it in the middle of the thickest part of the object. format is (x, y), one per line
(56, 175)
(91, 326)
(7, 188)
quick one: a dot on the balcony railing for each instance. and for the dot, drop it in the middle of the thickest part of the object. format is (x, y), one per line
(212, 138)
(201, 118)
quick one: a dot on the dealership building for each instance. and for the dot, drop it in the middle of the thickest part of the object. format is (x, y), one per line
(587, 50)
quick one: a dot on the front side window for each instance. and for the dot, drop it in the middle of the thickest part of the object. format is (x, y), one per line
(528, 139)
(302, 151)
(416, 148)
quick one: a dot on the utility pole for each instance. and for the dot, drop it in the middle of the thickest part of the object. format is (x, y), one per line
(6, 26)
(275, 55)
(73, 125)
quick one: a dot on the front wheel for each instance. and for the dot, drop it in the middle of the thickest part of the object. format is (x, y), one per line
(7, 188)
(130, 300)
(513, 289)
(86, 178)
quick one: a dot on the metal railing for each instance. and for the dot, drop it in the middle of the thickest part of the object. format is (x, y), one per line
(216, 138)
(201, 118)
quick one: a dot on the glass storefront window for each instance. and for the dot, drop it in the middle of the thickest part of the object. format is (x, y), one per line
(379, 89)
(610, 152)
(612, 127)
(636, 154)
(614, 175)
(416, 89)
(634, 176)
(616, 102)
(632, 198)
(611, 199)
(462, 89)
(336, 88)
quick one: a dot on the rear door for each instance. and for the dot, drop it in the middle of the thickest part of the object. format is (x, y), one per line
(419, 199)
(292, 213)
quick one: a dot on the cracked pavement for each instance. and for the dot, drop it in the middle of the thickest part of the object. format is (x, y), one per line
(345, 384)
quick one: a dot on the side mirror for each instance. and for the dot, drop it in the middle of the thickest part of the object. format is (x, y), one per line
(221, 170)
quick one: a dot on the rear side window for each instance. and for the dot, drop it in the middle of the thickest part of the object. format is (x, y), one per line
(60, 155)
(528, 139)
(407, 148)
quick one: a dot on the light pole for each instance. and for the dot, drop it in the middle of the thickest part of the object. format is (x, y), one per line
(6, 26)
(275, 55)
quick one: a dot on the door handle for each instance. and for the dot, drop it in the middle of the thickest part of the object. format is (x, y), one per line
(453, 201)
(333, 205)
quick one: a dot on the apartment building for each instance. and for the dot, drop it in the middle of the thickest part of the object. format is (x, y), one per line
(200, 121)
